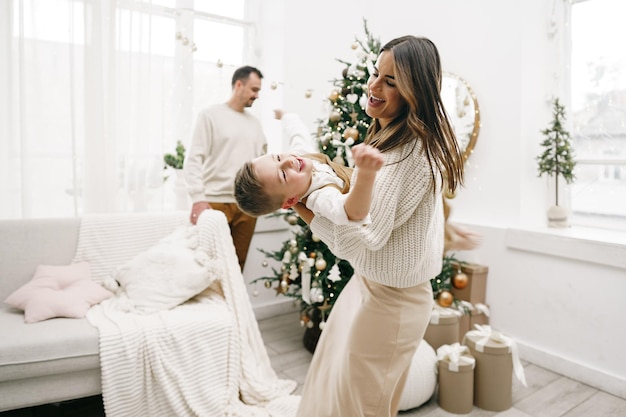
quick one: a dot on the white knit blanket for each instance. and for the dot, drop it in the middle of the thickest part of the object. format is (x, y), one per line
(203, 358)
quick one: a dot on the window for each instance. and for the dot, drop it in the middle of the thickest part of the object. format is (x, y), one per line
(98, 91)
(598, 112)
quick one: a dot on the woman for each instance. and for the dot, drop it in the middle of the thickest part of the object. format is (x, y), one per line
(362, 358)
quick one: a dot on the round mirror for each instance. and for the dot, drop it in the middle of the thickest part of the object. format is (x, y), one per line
(462, 107)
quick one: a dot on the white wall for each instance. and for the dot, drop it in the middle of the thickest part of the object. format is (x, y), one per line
(564, 310)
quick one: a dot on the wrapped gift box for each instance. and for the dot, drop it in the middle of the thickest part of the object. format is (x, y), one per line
(443, 328)
(456, 378)
(496, 357)
(476, 289)
(474, 314)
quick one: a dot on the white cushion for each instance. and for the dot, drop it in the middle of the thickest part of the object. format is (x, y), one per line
(422, 380)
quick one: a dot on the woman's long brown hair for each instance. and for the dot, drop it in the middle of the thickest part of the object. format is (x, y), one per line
(418, 78)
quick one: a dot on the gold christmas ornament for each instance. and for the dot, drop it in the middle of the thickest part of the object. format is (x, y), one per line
(268, 284)
(219, 63)
(351, 132)
(334, 117)
(333, 96)
(264, 264)
(320, 264)
(292, 219)
(273, 86)
(445, 298)
(315, 238)
(460, 281)
(308, 93)
(354, 45)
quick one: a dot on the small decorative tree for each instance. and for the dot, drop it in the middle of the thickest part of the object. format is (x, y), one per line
(557, 159)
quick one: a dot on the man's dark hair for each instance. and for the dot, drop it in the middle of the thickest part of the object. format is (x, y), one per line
(243, 73)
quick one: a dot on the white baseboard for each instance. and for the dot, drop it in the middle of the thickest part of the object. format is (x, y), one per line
(265, 311)
(612, 384)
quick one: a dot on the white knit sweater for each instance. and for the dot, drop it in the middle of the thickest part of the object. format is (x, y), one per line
(223, 139)
(403, 245)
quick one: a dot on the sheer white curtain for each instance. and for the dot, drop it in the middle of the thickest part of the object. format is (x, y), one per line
(93, 93)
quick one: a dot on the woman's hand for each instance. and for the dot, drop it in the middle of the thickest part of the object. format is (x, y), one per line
(306, 214)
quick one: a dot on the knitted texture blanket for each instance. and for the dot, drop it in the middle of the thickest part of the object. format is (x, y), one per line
(204, 357)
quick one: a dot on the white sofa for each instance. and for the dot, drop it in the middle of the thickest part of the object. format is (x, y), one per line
(59, 359)
(52, 360)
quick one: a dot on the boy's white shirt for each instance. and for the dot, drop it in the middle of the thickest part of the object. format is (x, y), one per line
(322, 201)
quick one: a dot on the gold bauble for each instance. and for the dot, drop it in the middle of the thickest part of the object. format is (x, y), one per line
(312, 255)
(292, 219)
(219, 63)
(320, 264)
(460, 281)
(315, 238)
(333, 96)
(273, 86)
(445, 298)
(354, 45)
(308, 93)
(268, 284)
(334, 117)
(351, 132)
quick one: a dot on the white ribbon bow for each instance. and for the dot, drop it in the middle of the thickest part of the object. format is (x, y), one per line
(486, 333)
(305, 281)
(454, 355)
(439, 311)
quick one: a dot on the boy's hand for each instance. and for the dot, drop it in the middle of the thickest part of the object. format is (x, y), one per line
(367, 157)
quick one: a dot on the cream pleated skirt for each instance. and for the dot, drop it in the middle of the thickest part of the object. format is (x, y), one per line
(363, 356)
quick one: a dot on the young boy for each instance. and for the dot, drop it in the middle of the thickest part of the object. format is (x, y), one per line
(275, 181)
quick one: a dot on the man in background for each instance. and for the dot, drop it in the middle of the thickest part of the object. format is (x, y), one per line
(225, 136)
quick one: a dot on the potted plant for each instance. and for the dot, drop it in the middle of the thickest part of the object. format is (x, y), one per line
(556, 161)
(175, 161)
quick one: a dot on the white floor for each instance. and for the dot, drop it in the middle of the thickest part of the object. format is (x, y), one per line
(547, 394)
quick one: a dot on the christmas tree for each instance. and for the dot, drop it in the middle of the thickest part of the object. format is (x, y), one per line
(557, 158)
(310, 272)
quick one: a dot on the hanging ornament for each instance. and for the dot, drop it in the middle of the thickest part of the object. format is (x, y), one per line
(363, 100)
(286, 257)
(460, 280)
(194, 48)
(445, 298)
(352, 98)
(334, 117)
(255, 293)
(292, 219)
(293, 272)
(308, 93)
(268, 284)
(322, 325)
(354, 45)
(449, 194)
(333, 274)
(315, 238)
(317, 295)
(219, 63)
(351, 132)
(320, 264)
(264, 264)
(333, 96)
(273, 86)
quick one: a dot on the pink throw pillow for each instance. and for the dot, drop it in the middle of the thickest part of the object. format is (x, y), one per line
(58, 291)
